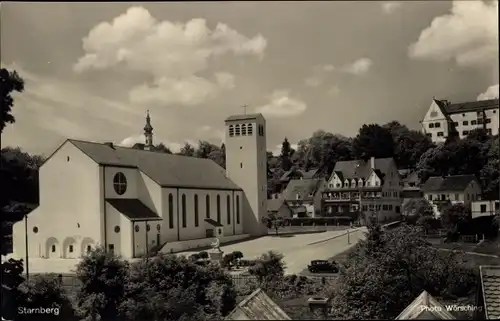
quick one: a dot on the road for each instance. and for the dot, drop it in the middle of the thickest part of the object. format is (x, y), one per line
(298, 250)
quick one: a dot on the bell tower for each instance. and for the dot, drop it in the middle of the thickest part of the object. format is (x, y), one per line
(246, 166)
(148, 133)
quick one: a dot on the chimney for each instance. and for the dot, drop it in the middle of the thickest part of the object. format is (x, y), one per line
(372, 162)
(318, 305)
(109, 144)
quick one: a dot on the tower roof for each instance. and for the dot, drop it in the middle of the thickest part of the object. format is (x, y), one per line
(148, 128)
(244, 117)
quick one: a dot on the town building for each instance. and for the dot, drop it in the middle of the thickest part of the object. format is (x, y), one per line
(278, 207)
(303, 197)
(410, 182)
(425, 307)
(129, 200)
(485, 208)
(257, 306)
(444, 118)
(364, 186)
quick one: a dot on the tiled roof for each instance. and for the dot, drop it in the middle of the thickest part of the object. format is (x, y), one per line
(165, 169)
(213, 222)
(471, 106)
(309, 174)
(425, 307)
(273, 205)
(490, 279)
(133, 209)
(258, 306)
(362, 169)
(244, 117)
(302, 187)
(456, 183)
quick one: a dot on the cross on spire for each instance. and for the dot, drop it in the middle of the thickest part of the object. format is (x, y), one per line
(244, 108)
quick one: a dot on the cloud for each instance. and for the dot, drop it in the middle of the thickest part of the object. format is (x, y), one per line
(172, 53)
(334, 91)
(390, 7)
(132, 140)
(313, 81)
(328, 68)
(208, 133)
(282, 105)
(468, 35)
(358, 67)
(491, 93)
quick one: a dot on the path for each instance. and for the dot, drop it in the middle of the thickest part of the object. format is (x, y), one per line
(469, 253)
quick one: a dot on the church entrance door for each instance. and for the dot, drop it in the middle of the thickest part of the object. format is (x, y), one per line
(210, 233)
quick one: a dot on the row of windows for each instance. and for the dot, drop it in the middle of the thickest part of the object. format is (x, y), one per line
(351, 184)
(444, 197)
(474, 122)
(378, 207)
(464, 133)
(244, 130)
(434, 125)
(207, 210)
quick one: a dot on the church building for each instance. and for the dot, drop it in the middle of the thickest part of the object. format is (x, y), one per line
(130, 200)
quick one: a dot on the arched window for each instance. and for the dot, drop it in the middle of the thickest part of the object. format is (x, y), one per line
(243, 130)
(120, 183)
(207, 206)
(218, 209)
(196, 217)
(237, 130)
(184, 210)
(228, 209)
(249, 129)
(231, 130)
(237, 209)
(170, 210)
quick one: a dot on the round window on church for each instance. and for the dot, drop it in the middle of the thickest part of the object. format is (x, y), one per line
(120, 183)
(158, 227)
(148, 227)
(137, 228)
(117, 229)
(35, 230)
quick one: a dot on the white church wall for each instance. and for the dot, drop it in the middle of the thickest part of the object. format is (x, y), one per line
(169, 232)
(132, 176)
(69, 211)
(139, 239)
(118, 232)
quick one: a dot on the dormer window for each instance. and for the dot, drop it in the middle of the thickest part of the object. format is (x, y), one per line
(377, 183)
(237, 130)
(243, 130)
(360, 182)
(346, 183)
(368, 183)
(249, 129)
(297, 196)
(353, 183)
(231, 130)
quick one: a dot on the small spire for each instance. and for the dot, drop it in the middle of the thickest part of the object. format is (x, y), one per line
(148, 133)
(148, 128)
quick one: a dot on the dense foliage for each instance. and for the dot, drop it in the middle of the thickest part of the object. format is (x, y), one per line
(388, 270)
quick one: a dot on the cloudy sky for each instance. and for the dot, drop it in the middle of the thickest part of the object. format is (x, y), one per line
(92, 70)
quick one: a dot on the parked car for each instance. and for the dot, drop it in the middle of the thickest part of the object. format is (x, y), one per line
(323, 266)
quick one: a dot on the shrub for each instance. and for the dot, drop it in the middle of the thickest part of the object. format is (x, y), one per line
(203, 255)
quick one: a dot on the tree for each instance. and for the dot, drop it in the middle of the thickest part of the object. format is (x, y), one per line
(455, 217)
(380, 286)
(419, 211)
(46, 292)
(273, 221)
(187, 150)
(12, 278)
(203, 255)
(10, 82)
(373, 141)
(103, 278)
(162, 148)
(170, 287)
(218, 155)
(268, 268)
(286, 163)
(489, 173)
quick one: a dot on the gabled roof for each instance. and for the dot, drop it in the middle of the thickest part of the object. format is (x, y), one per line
(471, 106)
(361, 169)
(490, 283)
(133, 209)
(425, 307)
(258, 306)
(274, 205)
(456, 183)
(302, 187)
(304, 174)
(167, 170)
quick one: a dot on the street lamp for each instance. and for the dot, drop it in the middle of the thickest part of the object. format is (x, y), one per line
(26, 245)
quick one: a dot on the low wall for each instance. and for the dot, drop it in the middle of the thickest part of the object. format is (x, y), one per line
(180, 246)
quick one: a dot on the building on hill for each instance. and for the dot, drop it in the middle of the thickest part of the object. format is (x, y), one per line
(129, 200)
(303, 197)
(484, 208)
(452, 189)
(278, 207)
(257, 306)
(360, 186)
(443, 118)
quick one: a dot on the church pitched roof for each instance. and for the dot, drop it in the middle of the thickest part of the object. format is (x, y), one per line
(490, 284)
(165, 169)
(133, 209)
